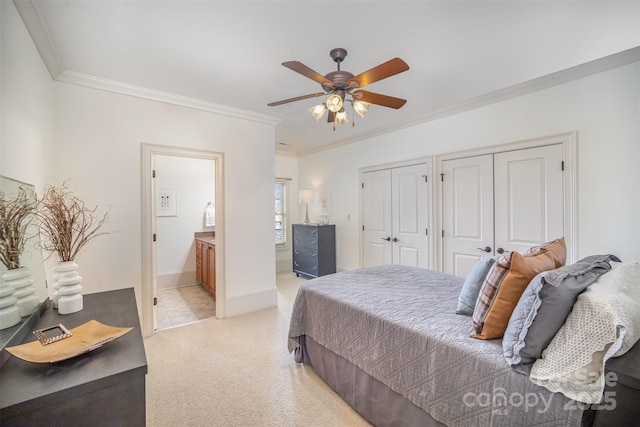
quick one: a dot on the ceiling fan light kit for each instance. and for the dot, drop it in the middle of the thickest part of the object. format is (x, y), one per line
(341, 87)
(342, 118)
(317, 111)
(361, 107)
(334, 103)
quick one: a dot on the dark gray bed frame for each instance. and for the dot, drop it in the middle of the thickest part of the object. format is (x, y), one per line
(384, 407)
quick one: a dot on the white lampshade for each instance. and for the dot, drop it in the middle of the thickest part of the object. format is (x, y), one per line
(317, 111)
(342, 118)
(305, 196)
(361, 107)
(334, 103)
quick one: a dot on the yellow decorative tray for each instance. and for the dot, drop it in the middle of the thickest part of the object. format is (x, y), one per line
(83, 339)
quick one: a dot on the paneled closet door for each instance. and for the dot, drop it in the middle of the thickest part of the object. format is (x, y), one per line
(376, 205)
(394, 204)
(467, 212)
(500, 202)
(529, 197)
(409, 215)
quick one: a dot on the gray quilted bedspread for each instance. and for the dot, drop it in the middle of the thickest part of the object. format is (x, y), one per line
(399, 325)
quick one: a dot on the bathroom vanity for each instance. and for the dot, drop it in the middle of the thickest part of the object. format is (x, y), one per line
(206, 261)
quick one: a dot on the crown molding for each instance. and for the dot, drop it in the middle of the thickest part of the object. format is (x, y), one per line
(94, 82)
(283, 153)
(609, 62)
(37, 28)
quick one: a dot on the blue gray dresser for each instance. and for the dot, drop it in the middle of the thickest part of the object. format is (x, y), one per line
(314, 249)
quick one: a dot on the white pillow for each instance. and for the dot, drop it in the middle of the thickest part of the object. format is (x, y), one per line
(604, 323)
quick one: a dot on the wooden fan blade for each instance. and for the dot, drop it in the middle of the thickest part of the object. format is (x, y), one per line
(331, 117)
(297, 98)
(299, 67)
(382, 71)
(376, 98)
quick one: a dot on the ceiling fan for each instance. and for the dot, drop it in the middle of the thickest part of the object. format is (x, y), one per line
(340, 85)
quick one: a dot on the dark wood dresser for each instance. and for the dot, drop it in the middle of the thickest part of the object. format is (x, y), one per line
(99, 388)
(314, 249)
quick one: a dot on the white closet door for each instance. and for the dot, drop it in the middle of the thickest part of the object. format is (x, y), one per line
(376, 201)
(409, 215)
(467, 212)
(529, 207)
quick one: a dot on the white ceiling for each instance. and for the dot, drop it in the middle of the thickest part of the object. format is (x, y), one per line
(227, 54)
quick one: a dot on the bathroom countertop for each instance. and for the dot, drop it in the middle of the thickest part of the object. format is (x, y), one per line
(206, 236)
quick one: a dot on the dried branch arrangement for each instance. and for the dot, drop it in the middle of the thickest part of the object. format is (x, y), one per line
(15, 217)
(66, 223)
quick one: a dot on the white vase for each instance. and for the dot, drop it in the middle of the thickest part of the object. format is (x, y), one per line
(9, 311)
(22, 283)
(67, 293)
(55, 287)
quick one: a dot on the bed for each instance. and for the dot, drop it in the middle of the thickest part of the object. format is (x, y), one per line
(388, 341)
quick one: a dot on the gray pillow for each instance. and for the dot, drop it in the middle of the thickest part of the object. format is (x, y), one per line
(472, 285)
(545, 305)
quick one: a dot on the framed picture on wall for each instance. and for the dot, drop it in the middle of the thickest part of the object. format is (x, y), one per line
(166, 202)
(325, 203)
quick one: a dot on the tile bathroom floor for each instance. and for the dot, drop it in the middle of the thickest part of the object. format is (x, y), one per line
(187, 304)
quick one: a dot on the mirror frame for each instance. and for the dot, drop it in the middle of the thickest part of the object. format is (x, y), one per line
(15, 334)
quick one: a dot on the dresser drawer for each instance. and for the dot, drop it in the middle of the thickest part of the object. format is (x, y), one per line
(305, 236)
(305, 252)
(308, 267)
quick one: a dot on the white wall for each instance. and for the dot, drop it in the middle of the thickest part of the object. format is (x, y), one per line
(604, 110)
(98, 136)
(26, 104)
(26, 113)
(194, 182)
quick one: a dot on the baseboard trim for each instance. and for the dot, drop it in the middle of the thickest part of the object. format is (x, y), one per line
(176, 280)
(250, 302)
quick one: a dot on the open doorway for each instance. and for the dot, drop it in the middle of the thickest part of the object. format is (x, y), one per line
(173, 211)
(185, 214)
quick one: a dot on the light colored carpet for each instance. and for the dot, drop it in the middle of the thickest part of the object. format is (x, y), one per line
(238, 372)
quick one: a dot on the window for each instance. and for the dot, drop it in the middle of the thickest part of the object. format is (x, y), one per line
(281, 224)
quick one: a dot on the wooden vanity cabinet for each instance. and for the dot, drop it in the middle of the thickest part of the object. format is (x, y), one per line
(206, 265)
(199, 269)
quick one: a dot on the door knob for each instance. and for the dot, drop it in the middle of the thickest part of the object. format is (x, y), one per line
(388, 239)
(501, 251)
(485, 249)
(395, 239)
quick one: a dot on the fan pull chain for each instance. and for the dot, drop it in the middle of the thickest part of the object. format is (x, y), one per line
(353, 114)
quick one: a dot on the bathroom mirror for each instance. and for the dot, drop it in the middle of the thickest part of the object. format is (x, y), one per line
(31, 257)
